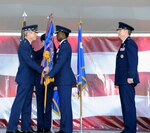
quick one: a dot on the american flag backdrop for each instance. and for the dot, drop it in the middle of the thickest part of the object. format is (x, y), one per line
(101, 103)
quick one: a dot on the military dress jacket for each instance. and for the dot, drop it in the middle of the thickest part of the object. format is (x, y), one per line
(62, 71)
(127, 63)
(27, 64)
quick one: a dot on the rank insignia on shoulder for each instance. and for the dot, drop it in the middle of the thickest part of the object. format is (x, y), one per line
(121, 56)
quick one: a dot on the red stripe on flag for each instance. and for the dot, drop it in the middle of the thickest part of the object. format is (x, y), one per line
(107, 44)
(9, 44)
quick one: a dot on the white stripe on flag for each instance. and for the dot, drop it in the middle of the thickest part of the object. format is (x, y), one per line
(8, 64)
(104, 62)
(99, 106)
(95, 63)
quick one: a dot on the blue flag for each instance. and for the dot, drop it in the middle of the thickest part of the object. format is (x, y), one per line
(56, 103)
(81, 77)
(49, 46)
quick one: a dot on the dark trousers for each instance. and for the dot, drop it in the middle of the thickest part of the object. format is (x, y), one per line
(127, 97)
(21, 106)
(44, 119)
(66, 123)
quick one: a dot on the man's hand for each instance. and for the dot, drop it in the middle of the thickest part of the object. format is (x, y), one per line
(130, 80)
(46, 69)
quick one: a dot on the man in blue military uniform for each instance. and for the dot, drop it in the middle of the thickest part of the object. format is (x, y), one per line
(43, 119)
(64, 78)
(126, 76)
(25, 79)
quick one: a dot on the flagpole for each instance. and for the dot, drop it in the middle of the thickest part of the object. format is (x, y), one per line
(81, 73)
(47, 57)
(80, 92)
(80, 111)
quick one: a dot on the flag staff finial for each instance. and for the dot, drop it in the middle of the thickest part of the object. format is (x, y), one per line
(24, 15)
(50, 16)
(80, 22)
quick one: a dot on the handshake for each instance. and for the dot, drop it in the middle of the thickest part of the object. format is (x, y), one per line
(45, 72)
(47, 78)
(46, 69)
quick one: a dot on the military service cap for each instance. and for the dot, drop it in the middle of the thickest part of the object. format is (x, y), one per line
(125, 26)
(63, 29)
(33, 28)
